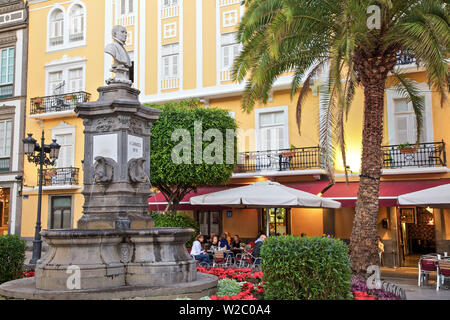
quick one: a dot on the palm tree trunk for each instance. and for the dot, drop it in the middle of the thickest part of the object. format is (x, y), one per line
(363, 244)
(363, 241)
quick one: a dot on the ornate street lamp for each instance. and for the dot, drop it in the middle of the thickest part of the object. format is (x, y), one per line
(37, 154)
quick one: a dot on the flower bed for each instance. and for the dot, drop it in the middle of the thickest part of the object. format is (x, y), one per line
(362, 292)
(253, 285)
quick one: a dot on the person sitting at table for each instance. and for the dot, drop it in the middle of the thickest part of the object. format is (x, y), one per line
(197, 251)
(228, 237)
(236, 243)
(224, 242)
(210, 238)
(214, 245)
(257, 248)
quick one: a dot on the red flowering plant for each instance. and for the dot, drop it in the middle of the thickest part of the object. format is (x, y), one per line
(252, 288)
(28, 274)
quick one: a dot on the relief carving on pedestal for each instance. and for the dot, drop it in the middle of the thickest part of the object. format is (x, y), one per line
(104, 124)
(103, 170)
(136, 171)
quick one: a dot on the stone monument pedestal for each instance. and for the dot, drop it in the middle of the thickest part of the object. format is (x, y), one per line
(117, 159)
(115, 253)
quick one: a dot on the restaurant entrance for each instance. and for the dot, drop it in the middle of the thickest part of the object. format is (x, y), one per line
(417, 234)
(209, 222)
(279, 223)
(4, 210)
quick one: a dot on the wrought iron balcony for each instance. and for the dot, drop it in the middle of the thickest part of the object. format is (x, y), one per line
(430, 154)
(60, 177)
(4, 164)
(404, 58)
(58, 103)
(279, 160)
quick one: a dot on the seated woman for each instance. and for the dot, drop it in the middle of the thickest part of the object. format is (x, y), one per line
(214, 245)
(224, 242)
(236, 243)
(197, 251)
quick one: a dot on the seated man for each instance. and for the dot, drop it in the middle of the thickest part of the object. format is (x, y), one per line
(257, 248)
(197, 251)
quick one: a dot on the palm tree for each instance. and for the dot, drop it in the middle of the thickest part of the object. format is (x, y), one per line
(357, 42)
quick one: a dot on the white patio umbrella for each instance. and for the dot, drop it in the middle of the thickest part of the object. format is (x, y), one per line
(436, 197)
(264, 194)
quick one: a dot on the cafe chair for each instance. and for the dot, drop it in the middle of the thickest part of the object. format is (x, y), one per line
(427, 264)
(443, 271)
(221, 259)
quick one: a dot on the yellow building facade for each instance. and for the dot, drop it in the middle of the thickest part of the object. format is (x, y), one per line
(185, 48)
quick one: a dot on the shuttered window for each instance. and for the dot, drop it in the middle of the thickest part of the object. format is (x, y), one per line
(6, 72)
(405, 123)
(170, 56)
(230, 50)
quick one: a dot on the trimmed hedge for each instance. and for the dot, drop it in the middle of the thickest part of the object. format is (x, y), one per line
(177, 220)
(12, 257)
(305, 268)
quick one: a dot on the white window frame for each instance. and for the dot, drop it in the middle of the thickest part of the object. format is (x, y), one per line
(8, 62)
(7, 153)
(166, 28)
(71, 20)
(169, 56)
(66, 44)
(230, 24)
(391, 95)
(232, 46)
(126, 12)
(170, 3)
(65, 129)
(259, 111)
(65, 65)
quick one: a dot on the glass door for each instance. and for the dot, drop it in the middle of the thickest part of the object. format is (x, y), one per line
(278, 221)
(4, 211)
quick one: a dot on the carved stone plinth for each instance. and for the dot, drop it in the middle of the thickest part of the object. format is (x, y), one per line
(160, 257)
(91, 254)
(104, 259)
(116, 159)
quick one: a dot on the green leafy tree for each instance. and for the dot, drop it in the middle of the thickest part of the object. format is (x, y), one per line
(355, 43)
(191, 146)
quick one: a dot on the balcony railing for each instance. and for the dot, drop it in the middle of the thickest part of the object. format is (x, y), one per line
(4, 164)
(60, 177)
(58, 103)
(279, 160)
(404, 58)
(430, 154)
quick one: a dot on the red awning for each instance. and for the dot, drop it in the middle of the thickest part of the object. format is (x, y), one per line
(159, 203)
(389, 191)
(346, 194)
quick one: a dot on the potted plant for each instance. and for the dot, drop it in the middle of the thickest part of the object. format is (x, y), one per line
(37, 101)
(290, 153)
(51, 173)
(71, 97)
(407, 148)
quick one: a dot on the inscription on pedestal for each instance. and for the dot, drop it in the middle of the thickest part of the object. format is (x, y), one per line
(135, 147)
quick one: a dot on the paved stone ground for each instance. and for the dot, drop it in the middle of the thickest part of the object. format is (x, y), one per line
(426, 292)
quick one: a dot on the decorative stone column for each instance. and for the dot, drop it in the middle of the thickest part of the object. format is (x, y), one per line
(116, 159)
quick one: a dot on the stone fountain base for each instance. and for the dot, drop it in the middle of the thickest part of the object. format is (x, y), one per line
(114, 264)
(205, 285)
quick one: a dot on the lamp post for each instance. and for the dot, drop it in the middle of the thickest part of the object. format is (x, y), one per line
(37, 154)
